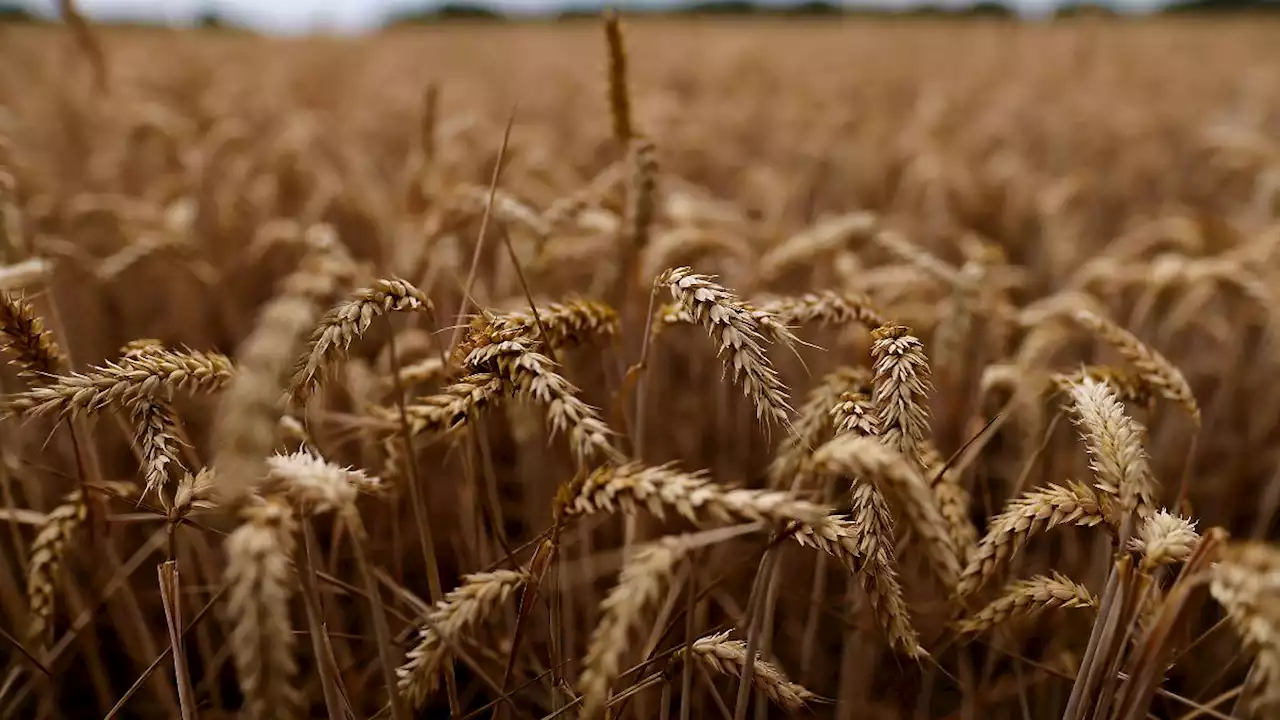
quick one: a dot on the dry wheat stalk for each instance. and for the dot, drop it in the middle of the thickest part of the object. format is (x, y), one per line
(24, 334)
(723, 656)
(825, 308)
(1153, 367)
(901, 389)
(314, 483)
(567, 323)
(248, 414)
(864, 543)
(1246, 582)
(154, 425)
(813, 424)
(479, 595)
(1028, 598)
(347, 322)
(1030, 514)
(870, 460)
(644, 573)
(1164, 539)
(533, 374)
(1114, 443)
(156, 374)
(259, 583)
(734, 329)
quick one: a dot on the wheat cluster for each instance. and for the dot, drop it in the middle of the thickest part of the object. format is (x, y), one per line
(641, 369)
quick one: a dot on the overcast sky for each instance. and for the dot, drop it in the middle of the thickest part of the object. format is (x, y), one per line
(355, 15)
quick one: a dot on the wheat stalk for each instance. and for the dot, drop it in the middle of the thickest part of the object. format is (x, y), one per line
(825, 308)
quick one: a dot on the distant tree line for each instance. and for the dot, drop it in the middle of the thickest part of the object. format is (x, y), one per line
(477, 12)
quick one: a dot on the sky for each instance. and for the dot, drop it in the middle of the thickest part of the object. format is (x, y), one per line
(299, 16)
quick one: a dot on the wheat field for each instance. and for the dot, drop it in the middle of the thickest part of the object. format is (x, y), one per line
(879, 369)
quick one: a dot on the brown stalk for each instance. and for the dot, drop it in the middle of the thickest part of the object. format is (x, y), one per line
(316, 625)
(382, 632)
(170, 597)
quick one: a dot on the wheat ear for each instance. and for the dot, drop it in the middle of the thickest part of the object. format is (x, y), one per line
(901, 389)
(347, 322)
(1029, 514)
(24, 334)
(619, 98)
(723, 656)
(691, 495)
(567, 323)
(248, 415)
(864, 543)
(1028, 598)
(735, 330)
(1151, 366)
(314, 483)
(643, 576)
(258, 576)
(952, 498)
(1164, 539)
(826, 308)
(154, 428)
(479, 595)
(855, 414)
(813, 424)
(641, 194)
(1114, 443)
(152, 375)
(1245, 582)
(533, 374)
(867, 458)
(53, 538)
